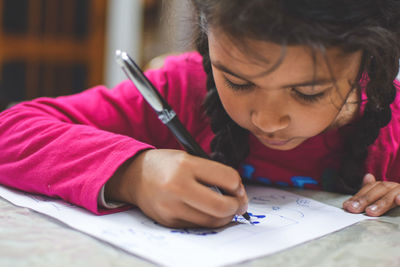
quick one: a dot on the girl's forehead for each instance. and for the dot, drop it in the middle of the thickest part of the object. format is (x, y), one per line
(255, 57)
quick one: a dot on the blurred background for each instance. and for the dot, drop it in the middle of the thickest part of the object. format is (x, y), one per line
(58, 47)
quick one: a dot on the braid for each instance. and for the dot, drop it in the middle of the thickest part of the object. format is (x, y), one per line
(230, 145)
(380, 92)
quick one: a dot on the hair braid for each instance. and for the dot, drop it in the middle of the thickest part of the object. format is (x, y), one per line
(229, 145)
(377, 114)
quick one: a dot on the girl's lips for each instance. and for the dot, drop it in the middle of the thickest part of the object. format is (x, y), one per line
(273, 142)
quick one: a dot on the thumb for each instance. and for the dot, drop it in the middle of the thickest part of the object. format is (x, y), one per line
(368, 178)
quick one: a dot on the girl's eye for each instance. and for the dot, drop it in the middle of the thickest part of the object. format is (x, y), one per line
(238, 87)
(308, 98)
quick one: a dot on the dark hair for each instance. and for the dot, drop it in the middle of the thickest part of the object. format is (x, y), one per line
(370, 26)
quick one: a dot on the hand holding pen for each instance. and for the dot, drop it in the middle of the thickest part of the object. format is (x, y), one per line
(164, 111)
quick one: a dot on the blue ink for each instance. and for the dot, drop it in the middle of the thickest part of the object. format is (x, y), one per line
(303, 202)
(253, 221)
(275, 208)
(264, 180)
(256, 216)
(248, 171)
(300, 181)
(239, 219)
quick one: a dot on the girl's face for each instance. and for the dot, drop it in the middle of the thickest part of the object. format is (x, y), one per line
(300, 98)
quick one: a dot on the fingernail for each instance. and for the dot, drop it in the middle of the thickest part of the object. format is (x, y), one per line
(373, 208)
(367, 175)
(355, 204)
(368, 178)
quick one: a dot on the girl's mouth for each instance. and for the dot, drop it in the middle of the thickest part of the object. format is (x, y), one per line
(273, 142)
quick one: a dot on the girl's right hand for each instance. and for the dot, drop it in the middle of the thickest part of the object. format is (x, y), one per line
(170, 187)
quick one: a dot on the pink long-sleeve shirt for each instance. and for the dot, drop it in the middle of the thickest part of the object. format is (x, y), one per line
(69, 146)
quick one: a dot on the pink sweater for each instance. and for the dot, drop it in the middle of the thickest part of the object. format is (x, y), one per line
(69, 147)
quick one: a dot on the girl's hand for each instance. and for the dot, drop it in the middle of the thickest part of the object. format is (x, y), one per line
(170, 187)
(375, 197)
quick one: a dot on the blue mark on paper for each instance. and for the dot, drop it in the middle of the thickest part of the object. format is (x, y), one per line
(254, 218)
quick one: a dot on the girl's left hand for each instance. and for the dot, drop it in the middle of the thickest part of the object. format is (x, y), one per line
(375, 197)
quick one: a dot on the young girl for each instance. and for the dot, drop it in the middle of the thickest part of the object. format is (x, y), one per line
(291, 93)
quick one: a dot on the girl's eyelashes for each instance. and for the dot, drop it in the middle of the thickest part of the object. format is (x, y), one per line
(309, 98)
(238, 87)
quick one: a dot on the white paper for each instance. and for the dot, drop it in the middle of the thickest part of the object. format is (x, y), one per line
(282, 220)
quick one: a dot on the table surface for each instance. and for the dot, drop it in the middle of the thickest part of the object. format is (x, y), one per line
(28, 238)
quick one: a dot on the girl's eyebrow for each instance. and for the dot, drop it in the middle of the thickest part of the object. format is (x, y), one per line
(221, 67)
(313, 82)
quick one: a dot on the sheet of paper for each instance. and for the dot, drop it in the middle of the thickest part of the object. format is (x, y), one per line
(282, 220)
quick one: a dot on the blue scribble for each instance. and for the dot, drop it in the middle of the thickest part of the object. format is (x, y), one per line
(248, 171)
(300, 181)
(303, 202)
(256, 216)
(275, 208)
(253, 217)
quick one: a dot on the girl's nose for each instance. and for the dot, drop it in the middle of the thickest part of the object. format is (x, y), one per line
(269, 122)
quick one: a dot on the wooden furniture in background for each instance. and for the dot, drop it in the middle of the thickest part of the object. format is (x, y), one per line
(50, 47)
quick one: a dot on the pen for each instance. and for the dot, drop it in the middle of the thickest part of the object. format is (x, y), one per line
(163, 110)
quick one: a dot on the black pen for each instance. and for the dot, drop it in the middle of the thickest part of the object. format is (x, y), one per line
(163, 110)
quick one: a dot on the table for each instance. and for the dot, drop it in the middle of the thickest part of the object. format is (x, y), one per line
(28, 238)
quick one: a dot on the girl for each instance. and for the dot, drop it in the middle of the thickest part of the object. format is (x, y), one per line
(297, 92)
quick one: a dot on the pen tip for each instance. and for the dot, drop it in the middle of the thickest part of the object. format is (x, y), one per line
(247, 217)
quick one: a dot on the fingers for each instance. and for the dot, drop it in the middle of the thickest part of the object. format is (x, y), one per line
(384, 204)
(214, 173)
(207, 201)
(374, 198)
(185, 216)
(174, 189)
(353, 204)
(211, 173)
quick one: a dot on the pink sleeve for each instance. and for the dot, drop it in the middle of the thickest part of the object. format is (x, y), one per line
(68, 147)
(393, 173)
(384, 155)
